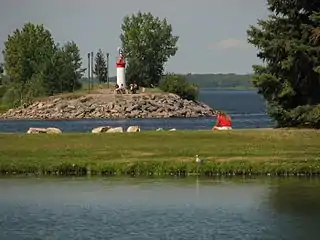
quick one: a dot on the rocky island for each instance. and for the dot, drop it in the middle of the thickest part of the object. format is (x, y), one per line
(105, 104)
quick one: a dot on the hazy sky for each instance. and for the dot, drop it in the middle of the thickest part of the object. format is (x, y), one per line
(212, 32)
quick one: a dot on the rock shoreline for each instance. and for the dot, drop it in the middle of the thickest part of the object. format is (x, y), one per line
(111, 107)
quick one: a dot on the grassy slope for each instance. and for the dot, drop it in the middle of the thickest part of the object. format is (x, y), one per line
(258, 150)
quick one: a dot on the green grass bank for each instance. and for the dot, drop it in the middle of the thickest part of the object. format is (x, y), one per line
(238, 152)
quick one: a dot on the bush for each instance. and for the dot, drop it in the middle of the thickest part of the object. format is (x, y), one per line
(179, 85)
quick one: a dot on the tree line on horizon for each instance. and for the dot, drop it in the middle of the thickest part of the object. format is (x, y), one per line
(207, 80)
(288, 43)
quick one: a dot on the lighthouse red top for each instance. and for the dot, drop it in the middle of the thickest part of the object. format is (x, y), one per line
(121, 63)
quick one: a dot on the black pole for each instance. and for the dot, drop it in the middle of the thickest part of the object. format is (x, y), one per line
(108, 69)
(92, 70)
(89, 70)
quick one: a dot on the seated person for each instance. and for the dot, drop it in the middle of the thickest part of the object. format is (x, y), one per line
(223, 122)
(117, 90)
(134, 87)
(122, 89)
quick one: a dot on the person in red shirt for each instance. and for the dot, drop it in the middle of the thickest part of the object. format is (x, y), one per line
(223, 122)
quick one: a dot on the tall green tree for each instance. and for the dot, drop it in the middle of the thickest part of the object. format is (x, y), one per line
(100, 67)
(72, 67)
(1, 72)
(147, 43)
(26, 55)
(65, 69)
(36, 66)
(289, 79)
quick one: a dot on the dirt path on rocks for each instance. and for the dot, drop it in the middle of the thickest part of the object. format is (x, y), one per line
(108, 95)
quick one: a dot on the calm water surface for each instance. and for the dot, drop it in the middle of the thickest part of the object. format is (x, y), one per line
(159, 209)
(246, 108)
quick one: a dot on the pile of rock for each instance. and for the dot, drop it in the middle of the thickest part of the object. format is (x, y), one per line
(124, 106)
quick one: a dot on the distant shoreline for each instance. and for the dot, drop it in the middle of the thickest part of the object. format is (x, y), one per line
(229, 88)
(223, 81)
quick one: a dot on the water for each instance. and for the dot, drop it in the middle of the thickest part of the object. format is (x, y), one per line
(159, 209)
(246, 108)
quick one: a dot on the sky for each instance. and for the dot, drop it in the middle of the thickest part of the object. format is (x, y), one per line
(212, 33)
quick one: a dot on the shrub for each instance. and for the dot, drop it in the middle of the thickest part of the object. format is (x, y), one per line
(179, 85)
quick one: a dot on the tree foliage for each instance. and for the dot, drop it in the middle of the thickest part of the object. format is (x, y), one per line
(288, 79)
(1, 73)
(315, 38)
(36, 66)
(100, 67)
(148, 43)
(178, 84)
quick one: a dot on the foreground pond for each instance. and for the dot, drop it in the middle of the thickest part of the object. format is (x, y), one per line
(159, 208)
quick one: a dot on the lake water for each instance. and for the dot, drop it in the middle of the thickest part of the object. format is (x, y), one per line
(146, 209)
(246, 108)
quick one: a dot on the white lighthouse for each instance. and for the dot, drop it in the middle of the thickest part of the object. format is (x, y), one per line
(121, 66)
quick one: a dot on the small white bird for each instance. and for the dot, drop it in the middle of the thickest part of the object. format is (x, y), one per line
(198, 160)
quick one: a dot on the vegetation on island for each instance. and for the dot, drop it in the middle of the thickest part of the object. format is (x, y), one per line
(289, 45)
(179, 85)
(147, 44)
(238, 152)
(36, 66)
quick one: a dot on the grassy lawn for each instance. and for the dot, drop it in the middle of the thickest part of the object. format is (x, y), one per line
(261, 151)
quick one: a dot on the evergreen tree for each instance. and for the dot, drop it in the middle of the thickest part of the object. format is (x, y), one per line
(315, 38)
(100, 67)
(316, 31)
(1, 72)
(289, 79)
